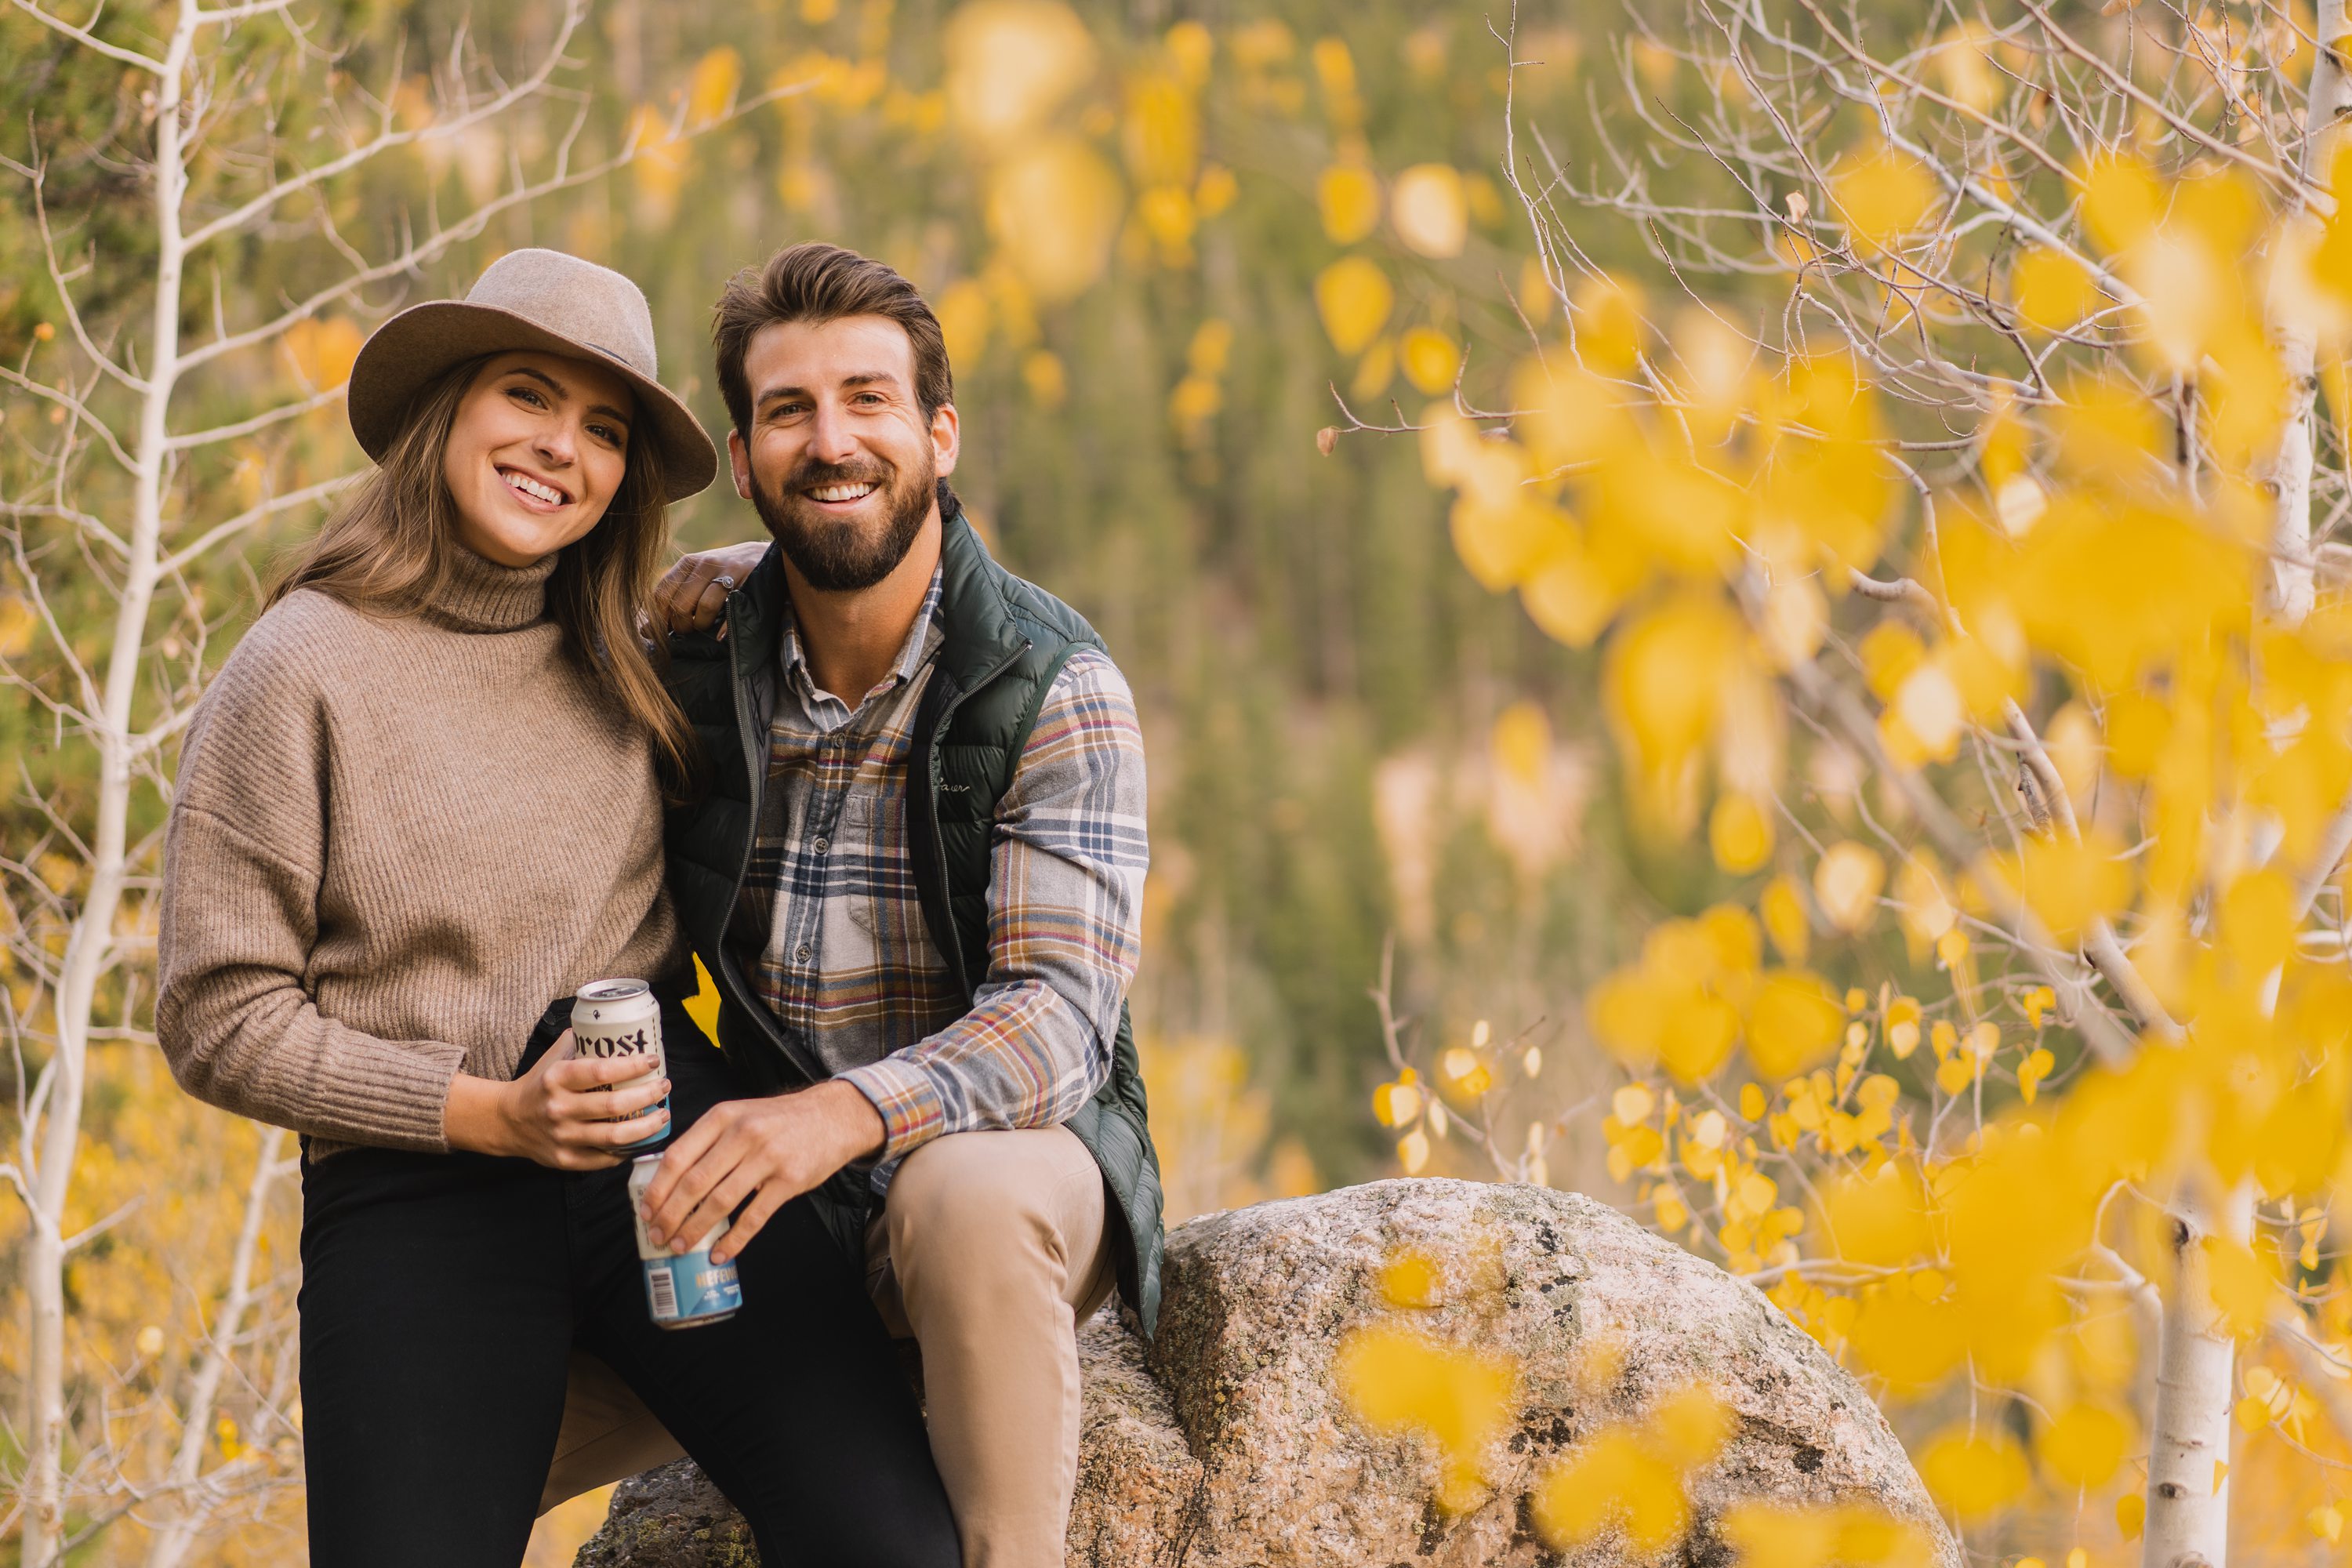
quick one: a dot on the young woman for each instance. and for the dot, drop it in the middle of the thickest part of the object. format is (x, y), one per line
(420, 807)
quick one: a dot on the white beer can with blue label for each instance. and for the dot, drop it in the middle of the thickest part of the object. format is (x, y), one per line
(685, 1290)
(620, 1018)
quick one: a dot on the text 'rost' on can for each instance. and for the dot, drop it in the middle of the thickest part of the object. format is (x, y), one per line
(685, 1290)
(620, 1018)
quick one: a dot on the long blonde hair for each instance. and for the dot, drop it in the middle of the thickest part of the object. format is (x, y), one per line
(388, 550)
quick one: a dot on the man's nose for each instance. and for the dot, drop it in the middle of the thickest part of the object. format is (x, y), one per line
(830, 437)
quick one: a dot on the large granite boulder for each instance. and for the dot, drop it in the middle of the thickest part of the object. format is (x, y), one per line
(1226, 1442)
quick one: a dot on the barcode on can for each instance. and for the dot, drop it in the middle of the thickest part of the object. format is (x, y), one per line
(664, 1285)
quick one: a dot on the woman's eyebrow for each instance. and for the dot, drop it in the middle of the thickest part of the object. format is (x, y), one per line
(555, 386)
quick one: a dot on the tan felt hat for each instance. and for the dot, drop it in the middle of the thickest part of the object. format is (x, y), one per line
(529, 300)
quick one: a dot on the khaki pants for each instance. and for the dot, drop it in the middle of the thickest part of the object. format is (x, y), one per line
(988, 1253)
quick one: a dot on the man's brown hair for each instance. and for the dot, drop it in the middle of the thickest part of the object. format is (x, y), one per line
(814, 281)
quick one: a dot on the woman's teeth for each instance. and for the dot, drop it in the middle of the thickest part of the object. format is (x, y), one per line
(841, 492)
(533, 488)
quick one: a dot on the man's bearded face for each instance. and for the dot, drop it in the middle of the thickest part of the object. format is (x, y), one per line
(846, 526)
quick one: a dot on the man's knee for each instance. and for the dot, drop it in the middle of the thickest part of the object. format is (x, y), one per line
(995, 1199)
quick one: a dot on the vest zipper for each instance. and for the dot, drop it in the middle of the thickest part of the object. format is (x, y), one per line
(755, 790)
(954, 953)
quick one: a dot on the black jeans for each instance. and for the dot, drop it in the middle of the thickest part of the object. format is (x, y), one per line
(441, 1295)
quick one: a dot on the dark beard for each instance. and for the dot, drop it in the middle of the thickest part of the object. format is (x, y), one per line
(835, 556)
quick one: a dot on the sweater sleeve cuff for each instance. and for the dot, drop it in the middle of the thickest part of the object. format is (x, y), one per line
(396, 1098)
(907, 1099)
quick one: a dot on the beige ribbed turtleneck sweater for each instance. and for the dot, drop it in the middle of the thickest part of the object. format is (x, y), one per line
(393, 843)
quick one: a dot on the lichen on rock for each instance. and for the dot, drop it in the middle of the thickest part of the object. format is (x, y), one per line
(1228, 1443)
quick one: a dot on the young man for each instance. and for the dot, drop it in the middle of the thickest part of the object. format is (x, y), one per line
(917, 874)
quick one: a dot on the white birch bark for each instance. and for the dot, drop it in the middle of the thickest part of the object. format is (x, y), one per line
(2188, 1488)
(88, 943)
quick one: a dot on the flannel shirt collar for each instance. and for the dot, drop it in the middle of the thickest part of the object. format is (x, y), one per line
(922, 644)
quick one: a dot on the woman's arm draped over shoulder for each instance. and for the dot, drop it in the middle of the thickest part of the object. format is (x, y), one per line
(243, 859)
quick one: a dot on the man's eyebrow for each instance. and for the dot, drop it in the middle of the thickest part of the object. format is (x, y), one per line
(861, 378)
(555, 386)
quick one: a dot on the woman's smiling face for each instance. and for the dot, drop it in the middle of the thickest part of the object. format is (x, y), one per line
(539, 449)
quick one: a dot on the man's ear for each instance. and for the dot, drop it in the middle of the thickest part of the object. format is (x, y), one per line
(947, 439)
(739, 458)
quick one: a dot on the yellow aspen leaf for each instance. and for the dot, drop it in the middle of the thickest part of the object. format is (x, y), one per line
(1534, 293)
(1349, 199)
(324, 351)
(1394, 1104)
(1689, 1427)
(1882, 196)
(2253, 1415)
(2052, 290)
(1567, 593)
(1053, 209)
(1632, 1104)
(1672, 1213)
(1912, 1343)
(1740, 833)
(1955, 1073)
(2240, 1283)
(1928, 708)
(2221, 1474)
(1413, 1150)
(1664, 682)
(1531, 1061)
(1428, 209)
(1398, 1381)
(1190, 47)
(2036, 1066)
(1846, 881)
(2121, 201)
(2084, 1445)
(1781, 907)
(1890, 652)
(1609, 323)
(1216, 191)
(2326, 1522)
(1974, 1474)
(2131, 1515)
(1793, 1021)
(1011, 63)
(711, 86)
(1411, 1278)
(1504, 542)
(1354, 298)
(1877, 1220)
(2069, 883)
(1612, 1480)
(1430, 360)
(1374, 371)
(1697, 1034)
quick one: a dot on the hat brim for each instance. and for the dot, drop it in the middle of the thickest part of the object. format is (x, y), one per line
(403, 356)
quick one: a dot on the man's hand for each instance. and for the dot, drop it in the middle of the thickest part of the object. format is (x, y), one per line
(692, 595)
(769, 1150)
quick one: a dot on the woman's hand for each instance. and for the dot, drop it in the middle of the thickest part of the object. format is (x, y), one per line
(692, 595)
(558, 1114)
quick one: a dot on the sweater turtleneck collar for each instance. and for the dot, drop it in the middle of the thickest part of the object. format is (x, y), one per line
(482, 595)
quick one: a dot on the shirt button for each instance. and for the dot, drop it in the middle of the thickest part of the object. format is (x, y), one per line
(822, 844)
(801, 952)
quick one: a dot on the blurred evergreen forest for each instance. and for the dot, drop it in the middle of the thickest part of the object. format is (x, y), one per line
(1143, 367)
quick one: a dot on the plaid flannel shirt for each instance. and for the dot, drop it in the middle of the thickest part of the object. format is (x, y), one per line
(833, 938)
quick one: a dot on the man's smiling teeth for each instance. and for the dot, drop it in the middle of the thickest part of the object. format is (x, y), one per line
(841, 492)
(532, 488)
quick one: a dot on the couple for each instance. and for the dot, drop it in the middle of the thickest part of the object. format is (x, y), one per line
(892, 796)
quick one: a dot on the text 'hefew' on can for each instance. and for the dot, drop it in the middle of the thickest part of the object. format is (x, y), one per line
(685, 1290)
(620, 1018)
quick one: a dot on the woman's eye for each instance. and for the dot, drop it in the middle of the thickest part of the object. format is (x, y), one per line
(535, 400)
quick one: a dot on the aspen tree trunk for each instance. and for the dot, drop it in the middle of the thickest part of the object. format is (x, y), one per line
(2288, 593)
(2188, 1491)
(176, 1539)
(89, 942)
(2187, 1501)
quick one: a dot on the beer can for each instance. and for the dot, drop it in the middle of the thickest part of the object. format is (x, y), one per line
(684, 1289)
(620, 1018)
